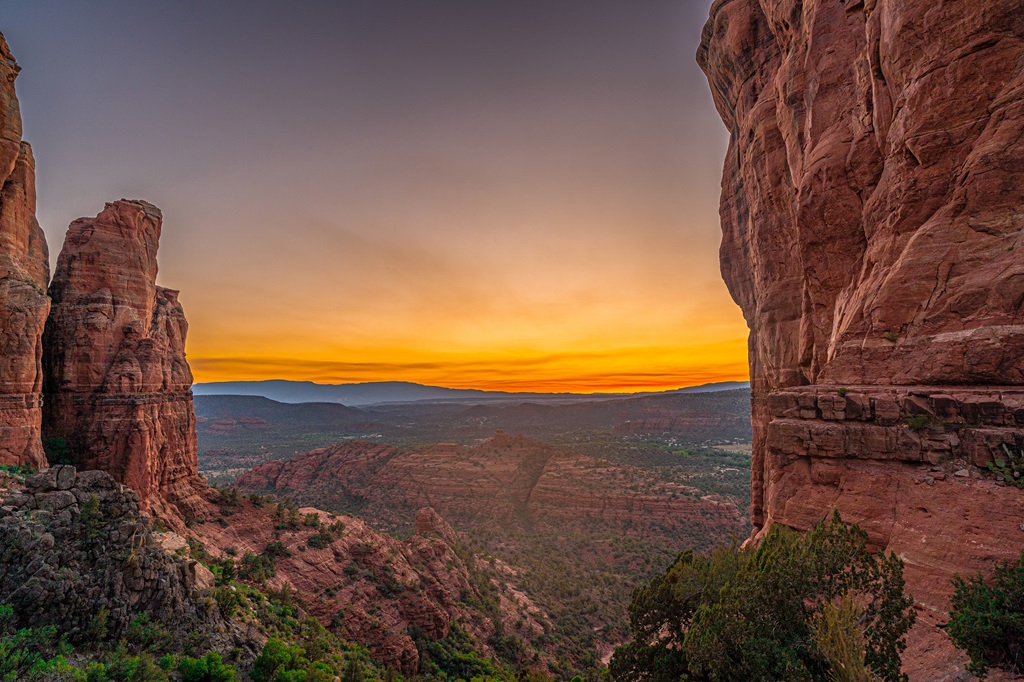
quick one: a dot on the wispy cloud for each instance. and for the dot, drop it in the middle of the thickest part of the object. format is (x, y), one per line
(618, 370)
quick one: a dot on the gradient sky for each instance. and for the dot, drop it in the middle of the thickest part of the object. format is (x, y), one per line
(510, 194)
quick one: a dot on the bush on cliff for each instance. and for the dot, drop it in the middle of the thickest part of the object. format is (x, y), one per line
(987, 618)
(763, 613)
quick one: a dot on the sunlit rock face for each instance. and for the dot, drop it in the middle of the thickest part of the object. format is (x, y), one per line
(872, 215)
(24, 273)
(118, 387)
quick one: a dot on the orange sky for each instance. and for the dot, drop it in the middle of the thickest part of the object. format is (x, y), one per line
(507, 195)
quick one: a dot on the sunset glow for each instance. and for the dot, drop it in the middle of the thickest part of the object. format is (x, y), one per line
(347, 198)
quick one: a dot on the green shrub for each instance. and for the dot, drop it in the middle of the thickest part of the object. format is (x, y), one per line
(279, 662)
(120, 665)
(25, 652)
(228, 601)
(144, 633)
(91, 518)
(1009, 469)
(749, 614)
(228, 497)
(257, 568)
(918, 422)
(207, 669)
(7, 619)
(57, 451)
(98, 630)
(319, 540)
(455, 658)
(276, 549)
(987, 618)
(838, 638)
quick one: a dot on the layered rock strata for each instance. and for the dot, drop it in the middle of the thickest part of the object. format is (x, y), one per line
(24, 273)
(507, 482)
(872, 234)
(118, 387)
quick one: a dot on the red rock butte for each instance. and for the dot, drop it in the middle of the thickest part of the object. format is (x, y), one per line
(872, 236)
(24, 273)
(118, 386)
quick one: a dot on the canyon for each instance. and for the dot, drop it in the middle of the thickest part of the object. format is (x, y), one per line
(119, 523)
(872, 236)
(576, 533)
(502, 482)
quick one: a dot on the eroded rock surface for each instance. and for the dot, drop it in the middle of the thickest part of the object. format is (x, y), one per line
(872, 234)
(366, 586)
(507, 481)
(74, 543)
(118, 387)
(24, 273)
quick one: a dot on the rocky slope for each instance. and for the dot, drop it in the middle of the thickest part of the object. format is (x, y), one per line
(571, 533)
(77, 554)
(118, 387)
(503, 481)
(365, 586)
(24, 273)
(872, 235)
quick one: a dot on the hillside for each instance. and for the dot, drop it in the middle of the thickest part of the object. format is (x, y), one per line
(382, 392)
(238, 432)
(579, 531)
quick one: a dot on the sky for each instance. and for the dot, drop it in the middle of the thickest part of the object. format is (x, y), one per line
(508, 195)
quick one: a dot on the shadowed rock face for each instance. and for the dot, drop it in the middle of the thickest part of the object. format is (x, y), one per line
(118, 387)
(24, 272)
(872, 234)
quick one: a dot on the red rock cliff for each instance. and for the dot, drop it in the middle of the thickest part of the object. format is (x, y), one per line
(871, 213)
(24, 272)
(118, 387)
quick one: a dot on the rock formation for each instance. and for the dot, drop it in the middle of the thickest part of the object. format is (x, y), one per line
(871, 213)
(75, 542)
(118, 387)
(24, 272)
(366, 586)
(507, 482)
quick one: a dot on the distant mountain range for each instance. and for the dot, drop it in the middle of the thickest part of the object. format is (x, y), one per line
(382, 392)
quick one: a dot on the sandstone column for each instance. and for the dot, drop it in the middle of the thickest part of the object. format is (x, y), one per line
(118, 387)
(24, 273)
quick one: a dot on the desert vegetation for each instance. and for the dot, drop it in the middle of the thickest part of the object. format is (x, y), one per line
(987, 619)
(808, 607)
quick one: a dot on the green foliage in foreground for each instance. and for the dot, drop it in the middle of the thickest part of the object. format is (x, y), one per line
(743, 615)
(297, 651)
(987, 619)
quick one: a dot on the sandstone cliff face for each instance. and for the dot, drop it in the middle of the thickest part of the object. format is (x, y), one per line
(24, 273)
(118, 387)
(872, 234)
